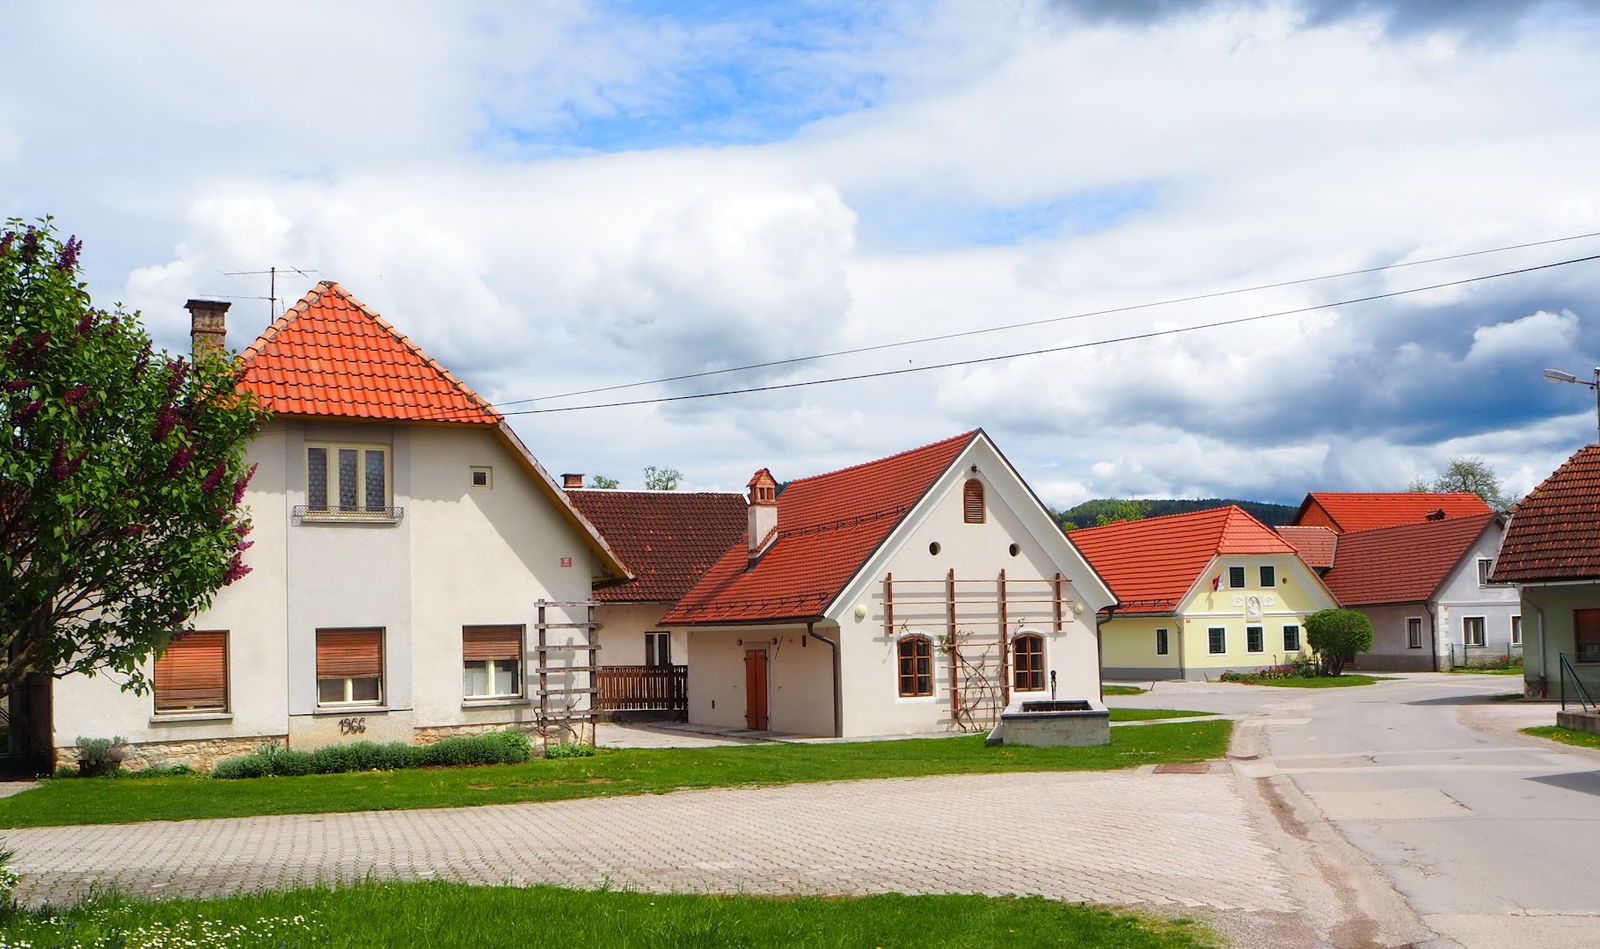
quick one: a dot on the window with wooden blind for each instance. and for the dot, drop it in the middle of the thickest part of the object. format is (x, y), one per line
(972, 501)
(491, 661)
(192, 675)
(349, 666)
(1027, 667)
(916, 666)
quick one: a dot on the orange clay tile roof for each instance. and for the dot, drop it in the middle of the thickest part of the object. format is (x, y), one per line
(1361, 512)
(1555, 531)
(828, 526)
(1316, 544)
(669, 539)
(1151, 564)
(331, 356)
(1403, 564)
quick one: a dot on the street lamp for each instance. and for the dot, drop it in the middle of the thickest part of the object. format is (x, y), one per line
(1556, 375)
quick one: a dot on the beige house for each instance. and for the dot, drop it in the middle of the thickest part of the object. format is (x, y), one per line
(914, 594)
(409, 555)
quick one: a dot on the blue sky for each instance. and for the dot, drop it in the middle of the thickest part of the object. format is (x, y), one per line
(566, 195)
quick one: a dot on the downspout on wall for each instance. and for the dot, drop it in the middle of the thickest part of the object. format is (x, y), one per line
(1433, 632)
(838, 684)
(1100, 651)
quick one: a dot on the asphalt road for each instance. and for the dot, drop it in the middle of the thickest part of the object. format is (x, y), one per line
(1416, 812)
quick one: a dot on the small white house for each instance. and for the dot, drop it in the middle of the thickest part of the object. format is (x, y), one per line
(914, 594)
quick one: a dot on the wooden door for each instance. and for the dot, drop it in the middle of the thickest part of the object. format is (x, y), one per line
(755, 689)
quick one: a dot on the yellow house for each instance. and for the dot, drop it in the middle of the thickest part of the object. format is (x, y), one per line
(1200, 594)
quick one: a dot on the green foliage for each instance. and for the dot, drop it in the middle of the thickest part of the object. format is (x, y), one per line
(1466, 476)
(601, 481)
(121, 469)
(1567, 736)
(569, 750)
(273, 760)
(1337, 636)
(1109, 510)
(661, 479)
(506, 747)
(98, 757)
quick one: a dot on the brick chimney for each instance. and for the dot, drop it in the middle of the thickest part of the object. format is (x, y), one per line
(762, 511)
(208, 326)
(572, 480)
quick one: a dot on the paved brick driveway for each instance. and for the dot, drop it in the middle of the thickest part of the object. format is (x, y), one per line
(1123, 837)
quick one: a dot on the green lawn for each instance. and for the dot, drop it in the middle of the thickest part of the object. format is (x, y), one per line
(1567, 736)
(1122, 690)
(442, 915)
(1147, 714)
(1477, 670)
(611, 772)
(1321, 682)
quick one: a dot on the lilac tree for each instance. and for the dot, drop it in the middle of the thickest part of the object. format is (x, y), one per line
(121, 473)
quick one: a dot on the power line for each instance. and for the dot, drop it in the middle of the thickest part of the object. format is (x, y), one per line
(1048, 320)
(1056, 349)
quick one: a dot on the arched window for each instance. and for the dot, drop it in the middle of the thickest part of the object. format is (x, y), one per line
(972, 501)
(1027, 665)
(916, 666)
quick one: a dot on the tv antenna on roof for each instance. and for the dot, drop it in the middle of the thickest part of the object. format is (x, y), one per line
(272, 291)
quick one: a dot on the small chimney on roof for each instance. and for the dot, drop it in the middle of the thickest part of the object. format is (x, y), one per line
(208, 326)
(571, 480)
(762, 511)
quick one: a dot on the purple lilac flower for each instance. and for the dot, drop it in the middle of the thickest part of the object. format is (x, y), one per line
(166, 421)
(180, 460)
(215, 477)
(68, 261)
(27, 412)
(75, 393)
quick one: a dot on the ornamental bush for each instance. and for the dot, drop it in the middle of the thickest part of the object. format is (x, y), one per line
(271, 759)
(1337, 636)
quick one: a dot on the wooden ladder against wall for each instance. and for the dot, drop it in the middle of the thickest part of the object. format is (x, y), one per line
(567, 709)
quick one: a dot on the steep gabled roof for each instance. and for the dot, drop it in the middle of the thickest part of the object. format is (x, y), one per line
(1359, 512)
(330, 355)
(1315, 544)
(1555, 531)
(828, 526)
(1404, 564)
(669, 539)
(1151, 564)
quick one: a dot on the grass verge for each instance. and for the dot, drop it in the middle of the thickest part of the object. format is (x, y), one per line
(1122, 690)
(611, 772)
(1478, 670)
(442, 915)
(1567, 736)
(1148, 714)
(1321, 682)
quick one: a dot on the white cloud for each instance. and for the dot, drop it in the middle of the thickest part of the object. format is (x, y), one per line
(1540, 334)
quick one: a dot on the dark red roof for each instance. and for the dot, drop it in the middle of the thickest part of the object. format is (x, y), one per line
(1315, 544)
(1404, 564)
(1151, 564)
(669, 539)
(1360, 512)
(330, 355)
(1555, 531)
(828, 526)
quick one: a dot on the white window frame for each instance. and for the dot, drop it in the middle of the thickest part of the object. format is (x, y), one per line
(328, 504)
(1485, 567)
(1261, 633)
(661, 638)
(1211, 649)
(1483, 631)
(349, 681)
(1410, 642)
(1163, 641)
(1516, 629)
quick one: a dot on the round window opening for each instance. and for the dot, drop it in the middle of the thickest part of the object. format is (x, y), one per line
(1013, 550)
(934, 548)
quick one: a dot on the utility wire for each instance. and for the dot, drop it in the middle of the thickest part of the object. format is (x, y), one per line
(1054, 319)
(1057, 349)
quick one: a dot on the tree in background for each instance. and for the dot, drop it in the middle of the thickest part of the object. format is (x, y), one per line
(1113, 511)
(121, 472)
(601, 481)
(661, 479)
(1466, 476)
(1337, 636)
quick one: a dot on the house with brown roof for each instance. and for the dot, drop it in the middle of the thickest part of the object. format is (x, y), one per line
(1551, 553)
(1344, 512)
(1201, 593)
(1426, 589)
(669, 539)
(917, 593)
(411, 570)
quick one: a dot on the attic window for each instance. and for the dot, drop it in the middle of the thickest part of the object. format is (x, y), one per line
(482, 476)
(972, 501)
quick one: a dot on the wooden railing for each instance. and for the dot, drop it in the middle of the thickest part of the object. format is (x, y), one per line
(639, 688)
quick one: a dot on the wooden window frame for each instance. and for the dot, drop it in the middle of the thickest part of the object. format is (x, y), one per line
(1297, 643)
(164, 668)
(349, 680)
(1027, 669)
(1483, 631)
(1163, 641)
(1414, 642)
(920, 653)
(1260, 634)
(1211, 641)
(486, 645)
(972, 509)
(328, 505)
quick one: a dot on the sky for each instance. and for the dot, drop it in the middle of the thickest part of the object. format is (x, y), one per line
(565, 196)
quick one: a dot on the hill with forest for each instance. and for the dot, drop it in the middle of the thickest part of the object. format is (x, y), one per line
(1090, 513)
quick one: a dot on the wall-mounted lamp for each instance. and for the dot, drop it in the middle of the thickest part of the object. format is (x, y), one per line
(861, 612)
(1078, 607)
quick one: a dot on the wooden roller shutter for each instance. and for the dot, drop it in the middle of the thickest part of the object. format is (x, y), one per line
(349, 653)
(491, 642)
(193, 672)
(972, 501)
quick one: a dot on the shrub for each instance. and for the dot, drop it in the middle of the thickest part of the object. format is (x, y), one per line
(565, 750)
(270, 758)
(244, 766)
(100, 756)
(1337, 635)
(1307, 667)
(9, 879)
(492, 748)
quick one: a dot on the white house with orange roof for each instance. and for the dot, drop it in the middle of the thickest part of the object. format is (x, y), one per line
(913, 594)
(404, 539)
(1201, 593)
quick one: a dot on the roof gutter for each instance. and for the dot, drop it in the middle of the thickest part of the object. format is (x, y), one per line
(838, 690)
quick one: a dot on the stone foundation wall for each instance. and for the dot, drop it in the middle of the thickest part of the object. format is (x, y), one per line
(201, 754)
(581, 733)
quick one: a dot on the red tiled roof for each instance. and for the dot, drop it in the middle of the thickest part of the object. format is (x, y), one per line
(1555, 531)
(1315, 544)
(1151, 564)
(667, 538)
(828, 525)
(1361, 512)
(1403, 564)
(329, 355)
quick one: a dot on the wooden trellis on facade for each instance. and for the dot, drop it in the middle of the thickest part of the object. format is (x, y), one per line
(979, 617)
(567, 706)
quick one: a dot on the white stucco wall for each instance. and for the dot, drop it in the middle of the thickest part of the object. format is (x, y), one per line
(1462, 596)
(799, 678)
(622, 630)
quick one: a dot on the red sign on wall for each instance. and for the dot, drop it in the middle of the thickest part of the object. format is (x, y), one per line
(566, 561)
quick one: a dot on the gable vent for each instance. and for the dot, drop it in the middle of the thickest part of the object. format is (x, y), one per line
(972, 501)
